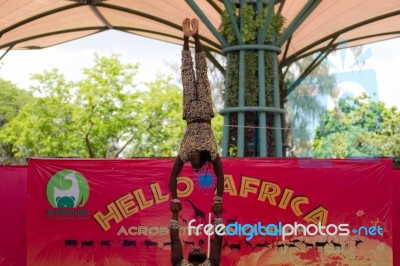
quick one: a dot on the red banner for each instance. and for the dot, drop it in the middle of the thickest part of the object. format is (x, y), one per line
(396, 216)
(116, 212)
(13, 195)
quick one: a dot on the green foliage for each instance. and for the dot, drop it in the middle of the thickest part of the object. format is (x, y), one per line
(217, 127)
(161, 126)
(109, 107)
(12, 100)
(101, 116)
(359, 127)
(89, 118)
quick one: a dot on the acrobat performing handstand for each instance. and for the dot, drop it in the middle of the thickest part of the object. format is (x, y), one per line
(198, 144)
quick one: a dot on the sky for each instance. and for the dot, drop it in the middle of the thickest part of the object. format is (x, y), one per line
(70, 58)
(379, 72)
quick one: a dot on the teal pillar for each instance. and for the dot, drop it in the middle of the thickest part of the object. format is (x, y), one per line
(262, 117)
(277, 116)
(261, 109)
(241, 100)
(225, 133)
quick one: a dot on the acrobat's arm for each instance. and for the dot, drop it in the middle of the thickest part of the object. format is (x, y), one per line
(176, 169)
(216, 246)
(176, 245)
(217, 165)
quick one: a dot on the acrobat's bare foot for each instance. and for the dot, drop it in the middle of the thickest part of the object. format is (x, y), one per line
(186, 27)
(195, 27)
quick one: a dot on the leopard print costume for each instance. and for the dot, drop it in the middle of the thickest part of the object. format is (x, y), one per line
(197, 104)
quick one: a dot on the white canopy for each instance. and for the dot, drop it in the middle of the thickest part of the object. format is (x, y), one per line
(35, 24)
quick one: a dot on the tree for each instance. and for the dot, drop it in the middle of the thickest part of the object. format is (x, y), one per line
(101, 116)
(92, 118)
(358, 127)
(107, 117)
(161, 125)
(12, 100)
(307, 104)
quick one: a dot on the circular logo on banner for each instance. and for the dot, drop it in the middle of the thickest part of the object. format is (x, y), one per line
(67, 189)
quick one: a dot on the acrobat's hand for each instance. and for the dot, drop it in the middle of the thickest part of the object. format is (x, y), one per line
(175, 206)
(217, 205)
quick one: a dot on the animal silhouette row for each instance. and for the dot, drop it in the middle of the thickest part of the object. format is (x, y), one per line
(233, 246)
(108, 243)
(295, 243)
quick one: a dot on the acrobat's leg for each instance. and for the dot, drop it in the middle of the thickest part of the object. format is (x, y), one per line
(204, 91)
(195, 33)
(186, 33)
(187, 72)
